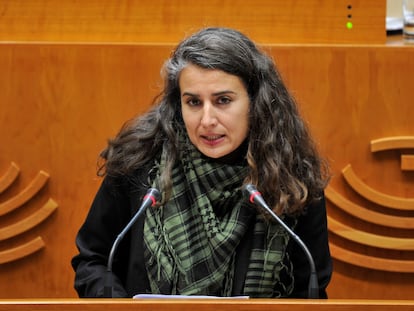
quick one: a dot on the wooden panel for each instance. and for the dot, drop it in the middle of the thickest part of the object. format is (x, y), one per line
(58, 106)
(60, 103)
(206, 305)
(266, 21)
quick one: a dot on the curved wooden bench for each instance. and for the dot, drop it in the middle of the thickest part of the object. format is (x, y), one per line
(373, 195)
(396, 142)
(370, 262)
(369, 239)
(29, 222)
(366, 214)
(393, 142)
(9, 177)
(22, 250)
(26, 194)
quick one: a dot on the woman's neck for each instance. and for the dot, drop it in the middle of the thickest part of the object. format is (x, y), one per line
(236, 156)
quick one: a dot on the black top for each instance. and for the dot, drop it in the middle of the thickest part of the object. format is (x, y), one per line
(117, 200)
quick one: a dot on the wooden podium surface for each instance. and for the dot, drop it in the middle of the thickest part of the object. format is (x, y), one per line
(205, 304)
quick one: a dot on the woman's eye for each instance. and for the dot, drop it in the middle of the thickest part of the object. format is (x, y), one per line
(224, 100)
(193, 102)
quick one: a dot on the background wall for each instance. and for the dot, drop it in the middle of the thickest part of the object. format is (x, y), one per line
(68, 81)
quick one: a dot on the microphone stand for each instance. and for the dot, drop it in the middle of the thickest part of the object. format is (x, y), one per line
(313, 286)
(150, 199)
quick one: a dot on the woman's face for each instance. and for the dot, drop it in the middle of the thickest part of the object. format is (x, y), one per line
(215, 108)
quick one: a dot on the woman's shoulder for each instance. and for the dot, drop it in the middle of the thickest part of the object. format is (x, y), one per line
(138, 178)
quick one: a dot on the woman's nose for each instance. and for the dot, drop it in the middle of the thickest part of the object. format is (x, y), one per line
(208, 117)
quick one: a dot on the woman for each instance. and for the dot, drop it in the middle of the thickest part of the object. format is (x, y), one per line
(224, 120)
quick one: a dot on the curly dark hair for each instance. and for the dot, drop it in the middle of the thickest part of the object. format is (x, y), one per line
(283, 161)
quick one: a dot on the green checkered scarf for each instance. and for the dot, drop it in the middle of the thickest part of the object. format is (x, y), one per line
(190, 242)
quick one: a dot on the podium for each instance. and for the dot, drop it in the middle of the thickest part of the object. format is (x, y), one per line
(72, 74)
(204, 305)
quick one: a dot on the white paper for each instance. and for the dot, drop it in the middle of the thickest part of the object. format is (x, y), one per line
(157, 296)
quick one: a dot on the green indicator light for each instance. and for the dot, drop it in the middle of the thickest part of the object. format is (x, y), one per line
(349, 25)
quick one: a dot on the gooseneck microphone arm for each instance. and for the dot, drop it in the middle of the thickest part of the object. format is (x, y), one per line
(255, 197)
(150, 199)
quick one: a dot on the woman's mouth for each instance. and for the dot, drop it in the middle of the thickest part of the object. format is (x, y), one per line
(212, 139)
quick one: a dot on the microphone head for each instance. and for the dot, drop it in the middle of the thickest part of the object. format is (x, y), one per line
(250, 188)
(153, 194)
(252, 192)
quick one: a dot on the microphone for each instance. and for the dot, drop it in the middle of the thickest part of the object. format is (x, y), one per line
(255, 197)
(150, 199)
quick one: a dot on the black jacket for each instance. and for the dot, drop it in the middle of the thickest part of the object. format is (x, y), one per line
(115, 204)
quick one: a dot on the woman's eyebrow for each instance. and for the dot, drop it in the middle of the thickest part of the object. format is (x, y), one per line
(224, 92)
(214, 94)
